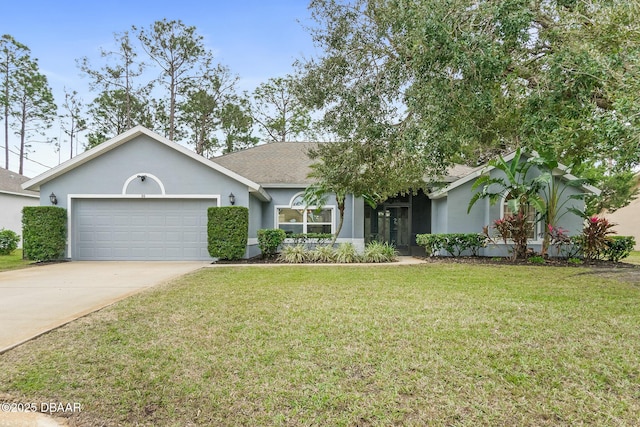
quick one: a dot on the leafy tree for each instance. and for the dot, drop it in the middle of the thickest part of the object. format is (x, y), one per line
(75, 122)
(34, 106)
(335, 174)
(204, 105)
(178, 50)
(118, 80)
(112, 112)
(462, 80)
(14, 56)
(616, 190)
(236, 125)
(278, 110)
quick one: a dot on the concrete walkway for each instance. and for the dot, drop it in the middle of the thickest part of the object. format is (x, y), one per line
(38, 299)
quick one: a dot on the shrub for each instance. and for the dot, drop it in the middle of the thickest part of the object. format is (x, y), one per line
(515, 228)
(45, 232)
(8, 241)
(558, 237)
(323, 254)
(347, 253)
(379, 252)
(455, 243)
(619, 247)
(295, 254)
(595, 237)
(228, 231)
(269, 240)
(430, 242)
(311, 239)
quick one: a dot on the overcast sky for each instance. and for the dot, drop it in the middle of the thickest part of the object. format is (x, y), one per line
(256, 39)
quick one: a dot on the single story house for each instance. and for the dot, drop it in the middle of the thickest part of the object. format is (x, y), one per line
(13, 198)
(140, 196)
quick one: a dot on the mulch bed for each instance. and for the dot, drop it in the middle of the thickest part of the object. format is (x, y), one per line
(558, 262)
(554, 262)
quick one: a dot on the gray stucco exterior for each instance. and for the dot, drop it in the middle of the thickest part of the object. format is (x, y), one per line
(140, 196)
(449, 207)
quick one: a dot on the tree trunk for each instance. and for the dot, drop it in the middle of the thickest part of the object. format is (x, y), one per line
(341, 203)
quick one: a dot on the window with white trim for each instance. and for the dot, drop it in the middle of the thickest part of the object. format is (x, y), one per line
(530, 212)
(298, 218)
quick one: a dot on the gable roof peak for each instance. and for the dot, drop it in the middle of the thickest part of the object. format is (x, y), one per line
(35, 183)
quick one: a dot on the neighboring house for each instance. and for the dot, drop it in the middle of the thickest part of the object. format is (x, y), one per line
(140, 196)
(13, 198)
(627, 219)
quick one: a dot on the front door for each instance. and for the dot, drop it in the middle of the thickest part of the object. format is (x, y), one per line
(390, 224)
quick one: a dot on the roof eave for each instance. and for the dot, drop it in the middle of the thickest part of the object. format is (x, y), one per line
(34, 184)
(260, 193)
(438, 194)
(14, 193)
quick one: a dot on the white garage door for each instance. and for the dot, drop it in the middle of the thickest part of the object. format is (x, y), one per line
(140, 229)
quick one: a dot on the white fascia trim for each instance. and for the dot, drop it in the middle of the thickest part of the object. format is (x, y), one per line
(261, 194)
(34, 184)
(488, 168)
(587, 187)
(438, 194)
(285, 185)
(71, 197)
(12, 193)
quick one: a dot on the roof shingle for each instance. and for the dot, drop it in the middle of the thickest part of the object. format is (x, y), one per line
(11, 182)
(272, 163)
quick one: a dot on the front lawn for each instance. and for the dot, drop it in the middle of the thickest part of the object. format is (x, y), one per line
(13, 261)
(634, 258)
(436, 344)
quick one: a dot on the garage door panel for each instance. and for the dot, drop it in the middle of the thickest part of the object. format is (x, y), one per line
(140, 229)
(174, 236)
(138, 236)
(121, 219)
(104, 236)
(139, 220)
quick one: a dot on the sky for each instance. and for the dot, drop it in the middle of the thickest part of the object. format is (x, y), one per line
(256, 39)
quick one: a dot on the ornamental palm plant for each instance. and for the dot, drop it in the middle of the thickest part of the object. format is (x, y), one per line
(518, 189)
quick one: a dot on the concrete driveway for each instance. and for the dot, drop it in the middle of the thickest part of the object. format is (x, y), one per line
(37, 299)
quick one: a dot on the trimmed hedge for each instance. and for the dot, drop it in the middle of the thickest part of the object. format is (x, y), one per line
(269, 239)
(454, 243)
(44, 229)
(227, 231)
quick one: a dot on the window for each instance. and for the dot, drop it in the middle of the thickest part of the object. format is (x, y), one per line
(530, 213)
(295, 219)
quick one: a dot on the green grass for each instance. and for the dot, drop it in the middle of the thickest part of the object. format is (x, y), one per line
(634, 258)
(13, 261)
(435, 344)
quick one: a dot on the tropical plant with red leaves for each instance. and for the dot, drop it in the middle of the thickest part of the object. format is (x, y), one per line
(595, 237)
